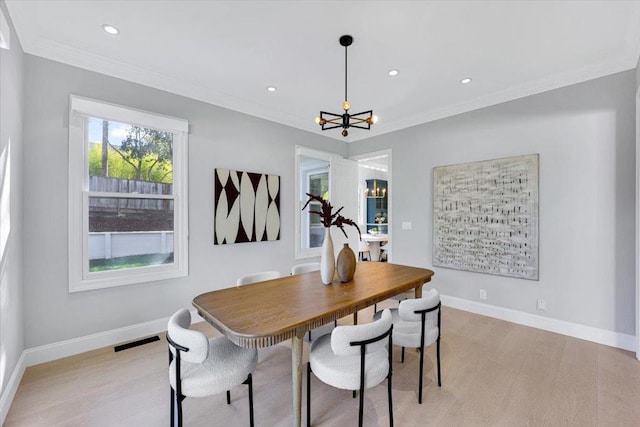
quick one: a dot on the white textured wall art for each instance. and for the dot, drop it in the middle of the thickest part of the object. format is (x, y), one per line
(485, 216)
(247, 207)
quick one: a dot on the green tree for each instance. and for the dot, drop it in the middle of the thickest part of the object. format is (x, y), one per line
(145, 154)
(147, 151)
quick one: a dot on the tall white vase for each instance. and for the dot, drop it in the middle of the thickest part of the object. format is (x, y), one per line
(327, 259)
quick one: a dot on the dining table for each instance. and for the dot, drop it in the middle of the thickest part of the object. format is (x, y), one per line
(375, 241)
(266, 313)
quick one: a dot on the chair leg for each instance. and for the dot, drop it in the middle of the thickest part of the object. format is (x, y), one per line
(308, 394)
(421, 370)
(438, 357)
(228, 397)
(360, 412)
(179, 400)
(249, 382)
(390, 399)
(172, 396)
(402, 360)
(173, 407)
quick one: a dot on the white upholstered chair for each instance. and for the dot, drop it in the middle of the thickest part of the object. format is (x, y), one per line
(354, 358)
(385, 252)
(200, 367)
(305, 268)
(308, 268)
(257, 277)
(363, 248)
(416, 324)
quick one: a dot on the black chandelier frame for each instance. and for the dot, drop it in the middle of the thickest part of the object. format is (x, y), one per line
(362, 120)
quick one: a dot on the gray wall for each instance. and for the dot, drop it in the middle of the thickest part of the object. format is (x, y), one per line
(638, 75)
(637, 253)
(217, 138)
(585, 135)
(11, 282)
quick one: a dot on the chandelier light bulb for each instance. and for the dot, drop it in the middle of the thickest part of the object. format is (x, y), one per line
(346, 105)
(372, 120)
(318, 120)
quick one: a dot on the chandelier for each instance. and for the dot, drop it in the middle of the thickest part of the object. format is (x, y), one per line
(362, 120)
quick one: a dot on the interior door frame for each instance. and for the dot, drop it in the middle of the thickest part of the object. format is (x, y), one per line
(386, 152)
(638, 223)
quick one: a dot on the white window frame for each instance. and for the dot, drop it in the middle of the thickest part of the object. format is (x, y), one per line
(5, 33)
(80, 279)
(343, 181)
(301, 199)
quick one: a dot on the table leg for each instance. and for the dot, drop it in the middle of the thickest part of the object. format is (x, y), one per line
(374, 251)
(418, 291)
(296, 371)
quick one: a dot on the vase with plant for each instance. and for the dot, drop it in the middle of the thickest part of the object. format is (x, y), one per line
(330, 218)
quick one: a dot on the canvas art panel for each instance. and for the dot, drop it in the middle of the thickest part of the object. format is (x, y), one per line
(485, 216)
(247, 207)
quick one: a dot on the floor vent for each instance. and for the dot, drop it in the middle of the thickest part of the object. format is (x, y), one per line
(136, 343)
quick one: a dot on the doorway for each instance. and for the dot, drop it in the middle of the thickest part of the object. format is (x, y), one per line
(374, 202)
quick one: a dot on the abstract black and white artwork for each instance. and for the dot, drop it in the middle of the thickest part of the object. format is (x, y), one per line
(485, 216)
(247, 207)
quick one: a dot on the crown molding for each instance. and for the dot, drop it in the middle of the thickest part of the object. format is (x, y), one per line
(199, 91)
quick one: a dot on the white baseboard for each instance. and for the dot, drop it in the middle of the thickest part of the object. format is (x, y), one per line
(12, 387)
(49, 352)
(589, 333)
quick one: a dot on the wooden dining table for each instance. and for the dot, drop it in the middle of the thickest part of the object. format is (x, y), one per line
(266, 313)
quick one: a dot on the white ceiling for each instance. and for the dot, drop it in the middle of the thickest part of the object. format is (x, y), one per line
(227, 52)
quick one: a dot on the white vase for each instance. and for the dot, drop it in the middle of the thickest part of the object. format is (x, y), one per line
(327, 259)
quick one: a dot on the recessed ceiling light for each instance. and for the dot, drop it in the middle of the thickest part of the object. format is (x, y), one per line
(465, 81)
(110, 29)
(272, 88)
(393, 72)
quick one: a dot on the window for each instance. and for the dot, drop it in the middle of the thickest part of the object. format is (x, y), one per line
(315, 180)
(127, 196)
(5, 33)
(333, 178)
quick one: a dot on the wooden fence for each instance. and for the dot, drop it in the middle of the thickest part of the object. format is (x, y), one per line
(129, 187)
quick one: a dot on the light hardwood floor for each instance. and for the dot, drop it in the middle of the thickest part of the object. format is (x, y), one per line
(493, 373)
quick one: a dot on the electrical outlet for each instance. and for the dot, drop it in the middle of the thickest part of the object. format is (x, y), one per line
(406, 225)
(483, 294)
(541, 305)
